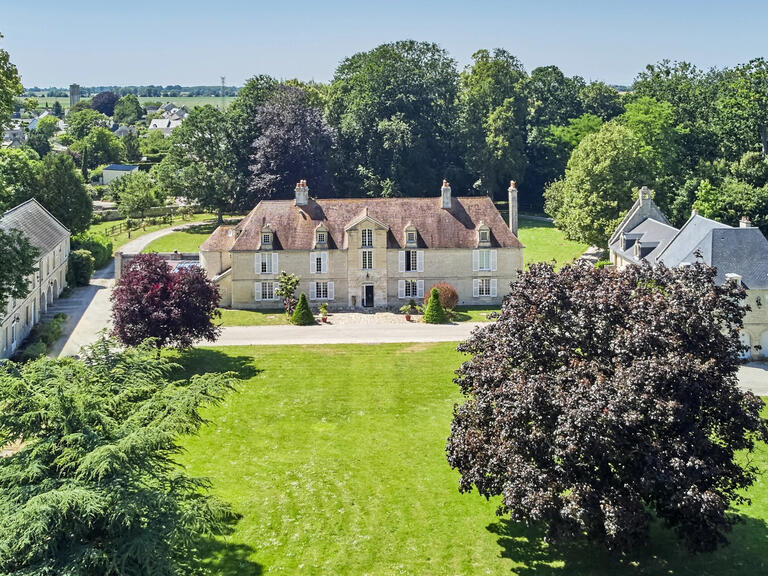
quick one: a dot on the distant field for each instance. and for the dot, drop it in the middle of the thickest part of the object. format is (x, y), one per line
(187, 101)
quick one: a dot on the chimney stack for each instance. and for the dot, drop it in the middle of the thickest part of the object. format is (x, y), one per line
(445, 193)
(512, 207)
(302, 193)
(745, 223)
(644, 195)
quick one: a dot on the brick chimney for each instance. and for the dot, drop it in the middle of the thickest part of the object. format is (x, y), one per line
(512, 207)
(745, 223)
(445, 194)
(302, 193)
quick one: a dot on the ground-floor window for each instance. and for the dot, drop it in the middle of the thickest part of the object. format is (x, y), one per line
(410, 288)
(321, 291)
(483, 287)
(265, 291)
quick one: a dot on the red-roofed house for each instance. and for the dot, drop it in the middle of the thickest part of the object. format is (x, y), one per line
(366, 252)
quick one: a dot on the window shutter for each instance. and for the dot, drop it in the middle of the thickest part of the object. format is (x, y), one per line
(475, 260)
(493, 260)
(312, 257)
(401, 262)
(275, 286)
(324, 262)
(257, 291)
(257, 263)
(331, 294)
(494, 287)
(401, 288)
(274, 263)
(420, 289)
(420, 261)
(475, 288)
(313, 290)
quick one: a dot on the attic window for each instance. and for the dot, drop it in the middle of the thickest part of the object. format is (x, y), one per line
(411, 237)
(322, 238)
(484, 236)
(266, 238)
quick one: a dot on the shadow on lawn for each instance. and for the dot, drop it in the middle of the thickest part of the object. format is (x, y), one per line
(204, 360)
(224, 558)
(746, 554)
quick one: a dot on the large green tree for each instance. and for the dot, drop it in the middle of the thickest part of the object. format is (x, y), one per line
(10, 86)
(135, 193)
(394, 107)
(95, 489)
(743, 108)
(492, 108)
(128, 110)
(63, 192)
(19, 176)
(100, 146)
(598, 188)
(80, 124)
(17, 263)
(201, 164)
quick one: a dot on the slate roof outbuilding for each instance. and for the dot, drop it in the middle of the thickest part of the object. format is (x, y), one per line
(42, 229)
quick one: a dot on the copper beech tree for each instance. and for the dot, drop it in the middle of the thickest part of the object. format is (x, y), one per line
(176, 308)
(601, 398)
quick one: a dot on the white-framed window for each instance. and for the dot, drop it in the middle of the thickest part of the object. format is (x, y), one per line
(266, 263)
(321, 291)
(410, 237)
(411, 261)
(265, 291)
(322, 238)
(366, 238)
(367, 256)
(318, 263)
(484, 287)
(484, 260)
(266, 238)
(410, 289)
(485, 236)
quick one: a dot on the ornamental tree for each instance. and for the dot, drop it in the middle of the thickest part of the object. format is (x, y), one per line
(176, 308)
(302, 315)
(601, 397)
(17, 263)
(434, 313)
(95, 489)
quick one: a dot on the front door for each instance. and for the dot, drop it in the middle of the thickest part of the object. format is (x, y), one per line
(368, 295)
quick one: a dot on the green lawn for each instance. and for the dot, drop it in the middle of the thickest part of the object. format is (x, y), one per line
(473, 313)
(545, 243)
(188, 240)
(119, 240)
(252, 317)
(334, 457)
(187, 101)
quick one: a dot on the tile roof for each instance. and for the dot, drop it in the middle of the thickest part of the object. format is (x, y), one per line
(43, 230)
(294, 226)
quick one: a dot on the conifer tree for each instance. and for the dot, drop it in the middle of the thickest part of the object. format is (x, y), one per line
(302, 315)
(434, 314)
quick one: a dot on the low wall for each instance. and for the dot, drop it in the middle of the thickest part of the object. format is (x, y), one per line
(122, 260)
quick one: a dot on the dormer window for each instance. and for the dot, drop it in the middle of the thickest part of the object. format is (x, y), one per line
(411, 237)
(321, 238)
(267, 238)
(483, 235)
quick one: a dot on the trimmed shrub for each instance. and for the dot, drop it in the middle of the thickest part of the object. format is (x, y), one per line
(98, 245)
(80, 267)
(302, 315)
(32, 351)
(449, 298)
(603, 263)
(434, 314)
(49, 332)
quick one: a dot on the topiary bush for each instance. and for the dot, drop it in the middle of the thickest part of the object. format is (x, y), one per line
(449, 298)
(80, 267)
(302, 315)
(434, 314)
(97, 244)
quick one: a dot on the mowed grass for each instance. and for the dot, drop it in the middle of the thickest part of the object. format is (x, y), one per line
(473, 313)
(335, 458)
(188, 102)
(120, 239)
(252, 317)
(545, 243)
(188, 240)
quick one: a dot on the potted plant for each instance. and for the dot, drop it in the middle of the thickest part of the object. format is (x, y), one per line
(324, 311)
(409, 309)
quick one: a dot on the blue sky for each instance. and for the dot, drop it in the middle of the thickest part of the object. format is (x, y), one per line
(188, 42)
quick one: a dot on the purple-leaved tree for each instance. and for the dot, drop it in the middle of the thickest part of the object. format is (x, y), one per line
(602, 397)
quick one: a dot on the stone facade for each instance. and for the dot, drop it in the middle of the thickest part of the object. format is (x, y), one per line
(365, 253)
(51, 239)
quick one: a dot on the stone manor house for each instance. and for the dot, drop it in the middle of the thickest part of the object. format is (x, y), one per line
(51, 239)
(366, 253)
(739, 254)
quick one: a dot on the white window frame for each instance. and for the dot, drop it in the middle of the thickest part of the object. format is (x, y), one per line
(266, 238)
(266, 264)
(262, 289)
(405, 289)
(322, 237)
(366, 255)
(366, 238)
(484, 287)
(408, 256)
(484, 260)
(320, 258)
(410, 237)
(322, 290)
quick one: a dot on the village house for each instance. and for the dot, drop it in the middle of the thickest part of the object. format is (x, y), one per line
(366, 253)
(739, 254)
(51, 239)
(116, 171)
